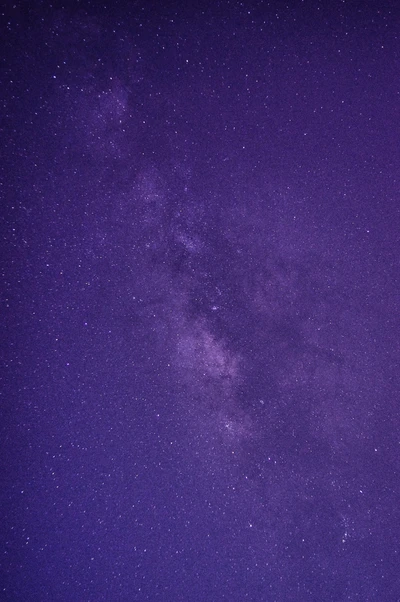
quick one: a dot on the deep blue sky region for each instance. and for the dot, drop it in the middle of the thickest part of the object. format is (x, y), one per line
(200, 289)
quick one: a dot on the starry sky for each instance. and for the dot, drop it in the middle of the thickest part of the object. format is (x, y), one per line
(200, 298)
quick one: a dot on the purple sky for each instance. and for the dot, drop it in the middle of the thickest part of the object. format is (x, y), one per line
(200, 287)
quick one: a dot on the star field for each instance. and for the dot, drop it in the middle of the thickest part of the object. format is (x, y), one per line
(200, 292)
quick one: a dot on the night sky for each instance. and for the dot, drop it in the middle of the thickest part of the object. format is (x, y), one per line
(200, 221)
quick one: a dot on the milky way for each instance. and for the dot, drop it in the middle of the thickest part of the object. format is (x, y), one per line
(200, 294)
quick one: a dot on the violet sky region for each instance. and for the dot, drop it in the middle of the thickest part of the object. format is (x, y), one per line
(200, 292)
